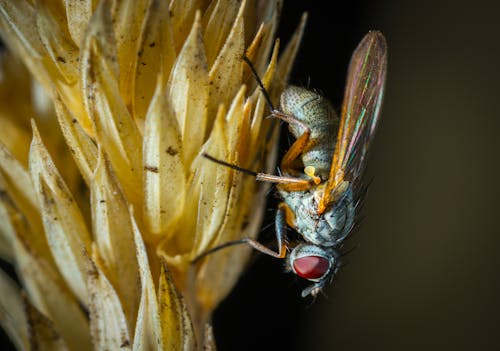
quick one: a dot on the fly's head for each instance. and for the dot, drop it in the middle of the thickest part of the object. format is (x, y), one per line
(314, 263)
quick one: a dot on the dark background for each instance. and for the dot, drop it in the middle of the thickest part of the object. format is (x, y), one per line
(426, 272)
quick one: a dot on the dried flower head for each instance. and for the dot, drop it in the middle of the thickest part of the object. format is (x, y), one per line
(104, 197)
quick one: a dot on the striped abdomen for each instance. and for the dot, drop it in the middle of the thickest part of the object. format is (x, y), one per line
(318, 114)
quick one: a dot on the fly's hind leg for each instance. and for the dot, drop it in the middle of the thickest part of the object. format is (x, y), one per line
(300, 144)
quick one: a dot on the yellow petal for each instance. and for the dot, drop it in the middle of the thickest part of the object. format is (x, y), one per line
(218, 20)
(20, 181)
(128, 24)
(115, 128)
(182, 14)
(63, 222)
(7, 231)
(177, 330)
(48, 292)
(226, 74)
(188, 91)
(42, 333)
(147, 335)
(216, 180)
(12, 316)
(108, 323)
(113, 236)
(157, 55)
(209, 339)
(262, 129)
(53, 32)
(78, 13)
(164, 173)
(82, 148)
(17, 18)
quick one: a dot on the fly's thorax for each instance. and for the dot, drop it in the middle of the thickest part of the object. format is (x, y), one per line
(328, 229)
(318, 114)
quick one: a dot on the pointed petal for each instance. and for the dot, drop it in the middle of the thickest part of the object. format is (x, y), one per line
(115, 128)
(177, 330)
(16, 26)
(128, 24)
(53, 32)
(48, 292)
(20, 181)
(63, 222)
(182, 13)
(218, 20)
(202, 192)
(147, 335)
(226, 74)
(108, 323)
(217, 180)
(164, 174)
(82, 148)
(209, 339)
(188, 91)
(157, 56)
(12, 316)
(114, 236)
(78, 13)
(42, 332)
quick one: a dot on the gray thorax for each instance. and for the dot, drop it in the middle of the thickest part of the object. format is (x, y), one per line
(328, 229)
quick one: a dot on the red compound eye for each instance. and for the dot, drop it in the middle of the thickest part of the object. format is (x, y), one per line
(311, 267)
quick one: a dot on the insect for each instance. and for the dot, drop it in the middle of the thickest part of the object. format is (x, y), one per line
(321, 175)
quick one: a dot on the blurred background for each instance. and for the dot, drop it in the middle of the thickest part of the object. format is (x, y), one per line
(426, 271)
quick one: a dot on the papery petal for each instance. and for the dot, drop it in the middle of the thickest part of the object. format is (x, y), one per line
(115, 128)
(53, 32)
(82, 148)
(63, 222)
(214, 184)
(128, 23)
(49, 294)
(78, 13)
(147, 335)
(12, 314)
(177, 330)
(108, 323)
(157, 56)
(42, 332)
(226, 74)
(182, 14)
(218, 21)
(114, 237)
(16, 22)
(188, 91)
(164, 174)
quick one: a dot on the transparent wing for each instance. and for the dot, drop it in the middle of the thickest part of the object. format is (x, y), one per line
(360, 112)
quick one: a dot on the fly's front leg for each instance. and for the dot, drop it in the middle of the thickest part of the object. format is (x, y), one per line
(282, 217)
(288, 183)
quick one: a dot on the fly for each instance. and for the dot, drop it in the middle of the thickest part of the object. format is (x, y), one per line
(321, 172)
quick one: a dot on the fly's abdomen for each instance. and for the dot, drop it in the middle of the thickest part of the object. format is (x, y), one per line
(318, 114)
